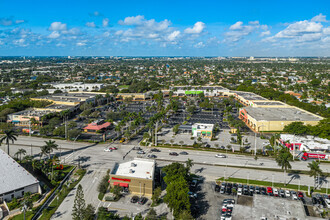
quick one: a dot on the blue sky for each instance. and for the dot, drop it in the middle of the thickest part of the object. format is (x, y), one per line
(165, 28)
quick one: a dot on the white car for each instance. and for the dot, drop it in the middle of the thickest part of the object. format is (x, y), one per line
(107, 150)
(275, 191)
(239, 191)
(141, 152)
(220, 156)
(287, 193)
(294, 195)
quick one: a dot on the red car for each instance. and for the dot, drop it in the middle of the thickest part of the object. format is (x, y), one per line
(269, 190)
(300, 195)
(113, 148)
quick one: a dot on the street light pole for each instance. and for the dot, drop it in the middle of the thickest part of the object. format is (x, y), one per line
(272, 180)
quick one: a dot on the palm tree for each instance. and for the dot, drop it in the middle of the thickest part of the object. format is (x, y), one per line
(283, 160)
(49, 147)
(10, 135)
(189, 164)
(20, 152)
(315, 169)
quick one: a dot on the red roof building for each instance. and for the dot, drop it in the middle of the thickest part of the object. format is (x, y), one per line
(98, 125)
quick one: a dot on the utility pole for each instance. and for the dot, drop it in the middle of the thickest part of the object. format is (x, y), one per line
(30, 128)
(66, 128)
(156, 134)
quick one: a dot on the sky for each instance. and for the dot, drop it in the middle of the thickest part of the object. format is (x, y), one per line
(164, 28)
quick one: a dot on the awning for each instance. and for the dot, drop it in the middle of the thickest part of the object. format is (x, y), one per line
(120, 184)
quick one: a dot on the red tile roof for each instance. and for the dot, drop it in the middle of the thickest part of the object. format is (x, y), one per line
(92, 126)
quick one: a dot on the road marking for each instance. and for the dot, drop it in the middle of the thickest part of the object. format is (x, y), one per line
(95, 178)
(97, 207)
(109, 205)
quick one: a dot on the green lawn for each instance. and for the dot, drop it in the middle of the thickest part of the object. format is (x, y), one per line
(267, 183)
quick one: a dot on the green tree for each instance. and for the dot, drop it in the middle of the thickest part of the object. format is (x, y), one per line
(156, 195)
(185, 215)
(89, 212)
(49, 147)
(314, 169)
(79, 204)
(283, 160)
(9, 136)
(20, 152)
(117, 191)
(176, 129)
(189, 164)
(152, 215)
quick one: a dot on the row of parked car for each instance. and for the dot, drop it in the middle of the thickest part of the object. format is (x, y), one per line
(321, 200)
(239, 189)
(227, 209)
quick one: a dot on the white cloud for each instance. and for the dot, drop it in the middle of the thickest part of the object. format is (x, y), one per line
(90, 24)
(236, 26)
(238, 31)
(319, 18)
(105, 22)
(81, 43)
(254, 22)
(196, 29)
(57, 26)
(54, 35)
(264, 33)
(10, 21)
(21, 42)
(199, 45)
(134, 20)
(19, 21)
(173, 35)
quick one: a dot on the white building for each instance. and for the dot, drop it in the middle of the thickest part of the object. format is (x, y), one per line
(14, 179)
(202, 130)
(306, 143)
(76, 86)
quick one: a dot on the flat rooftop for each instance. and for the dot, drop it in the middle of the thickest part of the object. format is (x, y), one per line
(137, 168)
(32, 112)
(271, 208)
(250, 96)
(202, 126)
(200, 87)
(269, 103)
(57, 106)
(280, 114)
(12, 175)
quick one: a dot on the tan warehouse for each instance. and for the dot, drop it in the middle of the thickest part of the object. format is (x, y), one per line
(136, 175)
(274, 119)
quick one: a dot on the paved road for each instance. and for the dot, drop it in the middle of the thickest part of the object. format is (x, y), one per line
(97, 162)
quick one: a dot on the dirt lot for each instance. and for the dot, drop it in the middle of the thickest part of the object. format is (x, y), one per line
(245, 200)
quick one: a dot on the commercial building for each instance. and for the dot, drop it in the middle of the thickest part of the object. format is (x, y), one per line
(76, 86)
(136, 175)
(98, 125)
(72, 98)
(195, 90)
(14, 179)
(305, 143)
(202, 130)
(263, 119)
(135, 96)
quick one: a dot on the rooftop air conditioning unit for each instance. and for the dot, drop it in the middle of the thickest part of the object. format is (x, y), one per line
(131, 171)
(133, 165)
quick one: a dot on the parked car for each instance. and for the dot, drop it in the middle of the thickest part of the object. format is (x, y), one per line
(113, 148)
(141, 152)
(257, 189)
(222, 190)
(275, 191)
(217, 188)
(107, 150)
(282, 194)
(269, 190)
(134, 199)
(220, 156)
(173, 154)
(294, 195)
(239, 191)
(287, 193)
(192, 195)
(142, 200)
(194, 183)
(137, 148)
(300, 195)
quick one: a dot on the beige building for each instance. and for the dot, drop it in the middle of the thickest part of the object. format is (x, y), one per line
(136, 175)
(264, 119)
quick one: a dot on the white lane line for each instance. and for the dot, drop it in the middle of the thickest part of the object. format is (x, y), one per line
(109, 205)
(98, 207)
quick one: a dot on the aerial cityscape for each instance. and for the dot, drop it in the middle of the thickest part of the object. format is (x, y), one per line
(164, 110)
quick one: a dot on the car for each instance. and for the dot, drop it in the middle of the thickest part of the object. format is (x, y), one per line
(251, 188)
(239, 191)
(222, 190)
(220, 156)
(107, 150)
(194, 183)
(137, 148)
(142, 200)
(300, 195)
(113, 148)
(269, 190)
(287, 193)
(275, 192)
(257, 190)
(141, 152)
(224, 184)
(228, 202)
(282, 194)
(217, 188)
(294, 195)
(184, 153)
(152, 156)
(315, 201)
(173, 154)
(134, 199)
(192, 195)
(155, 150)
(263, 191)
(228, 190)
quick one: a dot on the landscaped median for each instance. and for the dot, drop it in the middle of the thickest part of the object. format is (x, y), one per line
(270, 184)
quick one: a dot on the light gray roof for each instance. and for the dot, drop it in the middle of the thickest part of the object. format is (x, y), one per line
(12, 175)
(280, 114)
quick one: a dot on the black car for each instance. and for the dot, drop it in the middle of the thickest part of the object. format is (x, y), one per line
(134, 199)
(152, 156)
(184, 153)
(315, 201)
(263, 191)
(173, 154)
(155, 150)
(217, 188)
(228, 190)
(142, 200)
